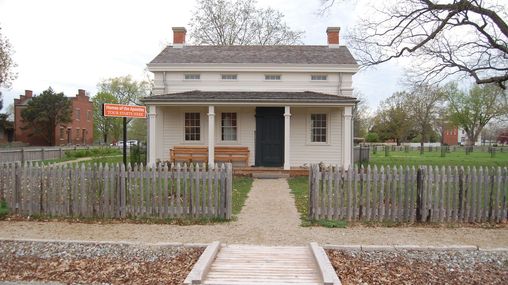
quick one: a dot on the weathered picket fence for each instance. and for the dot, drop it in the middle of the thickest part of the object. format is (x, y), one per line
(113, 191)
(397, 194)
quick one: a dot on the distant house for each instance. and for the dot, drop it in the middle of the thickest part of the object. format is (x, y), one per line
(77, 132)
(502, 138)
(287, 105)
(457, 136)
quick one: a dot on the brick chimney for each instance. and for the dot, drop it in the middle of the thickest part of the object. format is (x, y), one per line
(179, 36)
(28, 93)
(333, 36)
(81, 92)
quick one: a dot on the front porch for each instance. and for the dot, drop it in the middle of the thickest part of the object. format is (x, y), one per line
(281, 135)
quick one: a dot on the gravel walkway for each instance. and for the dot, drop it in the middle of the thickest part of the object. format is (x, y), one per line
(268, 218)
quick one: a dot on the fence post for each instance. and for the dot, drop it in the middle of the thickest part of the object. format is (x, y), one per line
(42, 154)
(22, 155)
(311, 192)
(420, 173)
(229, 190)
(17, 187)
(61, 153)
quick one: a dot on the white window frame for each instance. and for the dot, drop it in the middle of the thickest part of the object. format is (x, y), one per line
(192, 76)
(78, 114)
(200, 127)
(273, 77)
(234, 77)
(318, 77)
(308, 129)
(221, 127)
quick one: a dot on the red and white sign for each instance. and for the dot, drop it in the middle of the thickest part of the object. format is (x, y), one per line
(117, 110)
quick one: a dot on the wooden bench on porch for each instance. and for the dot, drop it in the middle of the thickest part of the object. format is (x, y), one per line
(200, 154)
(188, 153)
(232, 154)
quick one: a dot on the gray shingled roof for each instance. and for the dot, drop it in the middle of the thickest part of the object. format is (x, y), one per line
(246, 97)
(301, 54)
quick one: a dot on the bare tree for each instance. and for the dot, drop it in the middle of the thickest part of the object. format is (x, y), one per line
(7, 75)
(422, 103)
(360, 116)
(463, 37)
(239, 22)
(476, 108)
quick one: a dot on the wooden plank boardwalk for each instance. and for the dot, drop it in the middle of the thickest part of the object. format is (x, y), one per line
(246, 264)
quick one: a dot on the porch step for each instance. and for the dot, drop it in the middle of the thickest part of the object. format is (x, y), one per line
(270, 175)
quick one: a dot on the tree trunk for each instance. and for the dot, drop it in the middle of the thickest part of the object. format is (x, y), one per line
(422, 141)
(105, 135)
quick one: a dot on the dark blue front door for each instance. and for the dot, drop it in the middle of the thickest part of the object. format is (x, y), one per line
(269, 136)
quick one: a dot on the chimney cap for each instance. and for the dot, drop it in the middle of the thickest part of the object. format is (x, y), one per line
(179, 29)
(333, 29)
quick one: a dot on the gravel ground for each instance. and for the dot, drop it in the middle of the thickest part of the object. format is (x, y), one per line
(420, 267)
(268, 218)
(95, 263)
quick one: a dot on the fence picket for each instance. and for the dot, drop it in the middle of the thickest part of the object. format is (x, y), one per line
(367, 194)
(381, 199)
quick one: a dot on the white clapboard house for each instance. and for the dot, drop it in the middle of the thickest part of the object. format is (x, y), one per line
(272, 106)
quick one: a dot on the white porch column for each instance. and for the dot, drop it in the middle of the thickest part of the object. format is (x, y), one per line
(152, 130)
(287, 133)
(211, 136)
(347, 143)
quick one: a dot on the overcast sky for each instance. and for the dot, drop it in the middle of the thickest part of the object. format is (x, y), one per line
(71, 45)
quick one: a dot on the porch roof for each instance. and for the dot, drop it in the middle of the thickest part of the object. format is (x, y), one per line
(197, 96)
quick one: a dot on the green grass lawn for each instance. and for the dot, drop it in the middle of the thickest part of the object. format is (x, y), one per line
(454, 158)
(241, 188)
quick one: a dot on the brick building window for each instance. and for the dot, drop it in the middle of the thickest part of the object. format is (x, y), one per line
(78, 114)
(89, 115)
(62, 133)
(77, 133)
(192, 127)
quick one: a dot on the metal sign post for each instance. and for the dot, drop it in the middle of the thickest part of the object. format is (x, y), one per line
(123, 111)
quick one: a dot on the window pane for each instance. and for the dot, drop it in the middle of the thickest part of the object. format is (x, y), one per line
(192, 127)
(228, 126)
(272, 77)
(318, 77)
(229, 77)
(318, 127)
(192, 76)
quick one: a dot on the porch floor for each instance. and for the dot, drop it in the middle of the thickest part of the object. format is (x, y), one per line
(259, 171)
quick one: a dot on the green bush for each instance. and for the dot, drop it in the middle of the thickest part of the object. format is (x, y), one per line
(4, 210)
(372, 137)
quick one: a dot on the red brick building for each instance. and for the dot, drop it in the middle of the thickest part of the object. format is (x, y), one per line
(77, 132)
(451, 136)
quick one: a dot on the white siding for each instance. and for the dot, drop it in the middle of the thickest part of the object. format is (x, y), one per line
(254, 81)
(303, 152)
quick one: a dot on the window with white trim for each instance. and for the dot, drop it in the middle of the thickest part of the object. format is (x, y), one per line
(192, 126)
(229, 126)
(318, 77)
(192, 76)
(229, 76)
(78, 114)
(318, 129)
(272, 76)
